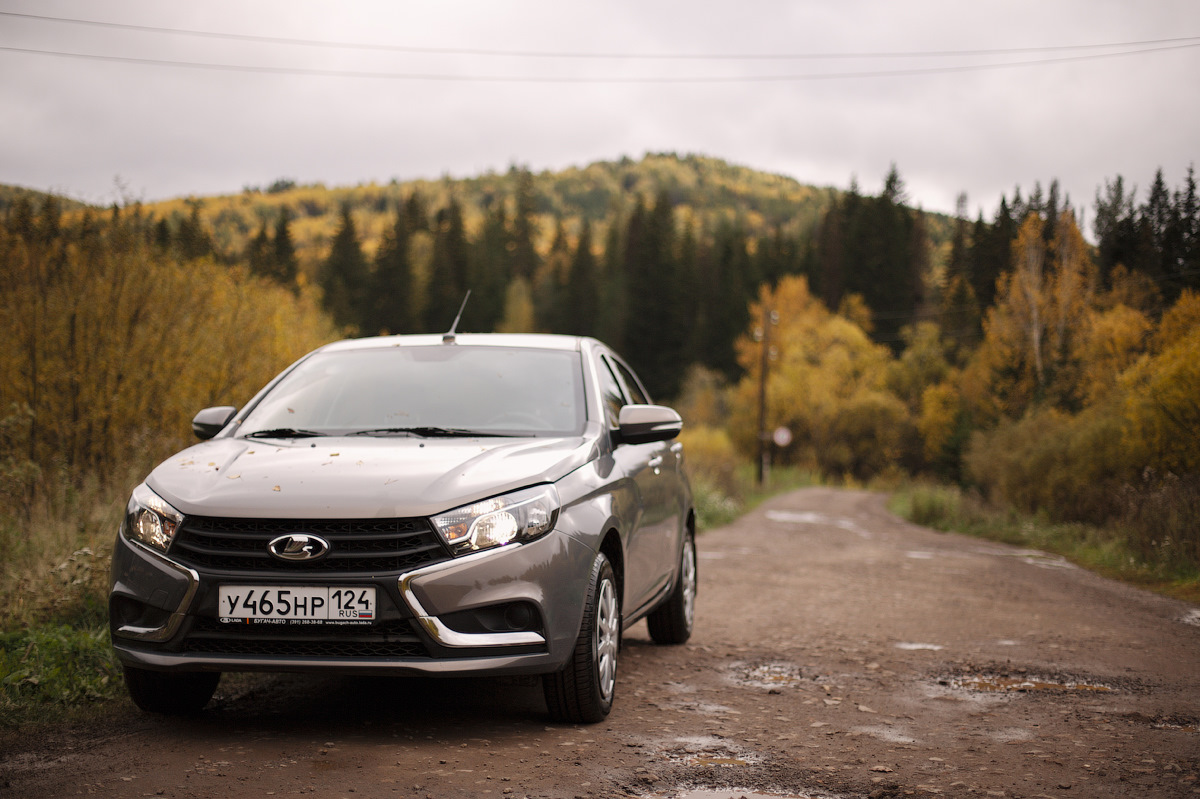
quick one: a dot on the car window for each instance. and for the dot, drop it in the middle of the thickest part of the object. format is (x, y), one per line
(632, 385)
(610, 390)
(497, 390)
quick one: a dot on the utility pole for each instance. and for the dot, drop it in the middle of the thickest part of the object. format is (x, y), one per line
(770, 318)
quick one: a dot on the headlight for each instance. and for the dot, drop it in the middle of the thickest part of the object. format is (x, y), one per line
(520, 516)
(150, 520)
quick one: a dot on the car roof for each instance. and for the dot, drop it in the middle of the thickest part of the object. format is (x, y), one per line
(542, 341)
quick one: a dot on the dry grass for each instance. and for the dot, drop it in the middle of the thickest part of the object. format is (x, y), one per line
(57, 552)
(1116, 550)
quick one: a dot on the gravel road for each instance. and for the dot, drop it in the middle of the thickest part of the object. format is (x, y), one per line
(839, 652)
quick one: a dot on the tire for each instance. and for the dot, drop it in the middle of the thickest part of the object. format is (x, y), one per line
(671, 622)
(582, 691)
(174, 694)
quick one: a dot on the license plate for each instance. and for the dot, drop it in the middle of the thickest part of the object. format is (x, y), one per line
(297, 603)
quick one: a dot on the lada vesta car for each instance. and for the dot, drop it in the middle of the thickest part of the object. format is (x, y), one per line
(413, 505)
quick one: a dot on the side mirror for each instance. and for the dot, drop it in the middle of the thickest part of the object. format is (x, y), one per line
(211, 421)
(642, 424)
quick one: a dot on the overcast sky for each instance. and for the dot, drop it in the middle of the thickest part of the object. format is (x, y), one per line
(424, 89)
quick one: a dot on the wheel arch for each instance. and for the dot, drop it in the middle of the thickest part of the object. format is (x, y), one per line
(612, 549)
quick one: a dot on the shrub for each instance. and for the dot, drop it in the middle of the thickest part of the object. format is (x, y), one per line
(1048, 461)
(55, 667)
(712, 460)
(1161, 520)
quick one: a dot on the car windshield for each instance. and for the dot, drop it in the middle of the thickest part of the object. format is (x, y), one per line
(426, 391)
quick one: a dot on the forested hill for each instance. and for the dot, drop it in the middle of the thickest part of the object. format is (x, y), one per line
(690, 237)
(706, 189)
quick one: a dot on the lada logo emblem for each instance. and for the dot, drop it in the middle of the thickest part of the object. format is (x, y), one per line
(298, 546)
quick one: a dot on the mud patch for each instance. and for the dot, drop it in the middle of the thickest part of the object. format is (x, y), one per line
(993, 683)
(708, 751)
(770, 675)
(984, 680)
(1170, 721)
(725, 793)
(705, 708)
(885, 733)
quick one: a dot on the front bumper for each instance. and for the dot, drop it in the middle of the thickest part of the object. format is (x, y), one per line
(449, 618)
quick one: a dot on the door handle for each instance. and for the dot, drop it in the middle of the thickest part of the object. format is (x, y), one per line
(655, 463)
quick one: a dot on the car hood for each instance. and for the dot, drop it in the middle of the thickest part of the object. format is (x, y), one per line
(357, 477)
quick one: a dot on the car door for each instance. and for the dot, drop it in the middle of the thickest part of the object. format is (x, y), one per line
(653, 468)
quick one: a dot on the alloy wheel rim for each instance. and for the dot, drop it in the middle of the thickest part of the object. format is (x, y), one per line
(689, 581)
(606, 639)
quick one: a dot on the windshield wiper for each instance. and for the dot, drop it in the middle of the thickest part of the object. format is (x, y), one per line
(429, 432)
(283, 432)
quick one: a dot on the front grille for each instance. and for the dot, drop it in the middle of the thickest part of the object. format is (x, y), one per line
(364, 546)
(387, 639)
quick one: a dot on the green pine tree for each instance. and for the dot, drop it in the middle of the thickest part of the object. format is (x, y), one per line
(284, 264)
(581, 301)
(391, 283)
(344, 275)
(490, 271)
(448, 279)
(259, 253)
(656, 340)
(525, 259)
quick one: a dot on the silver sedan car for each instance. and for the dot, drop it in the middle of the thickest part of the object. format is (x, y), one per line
(437, 505)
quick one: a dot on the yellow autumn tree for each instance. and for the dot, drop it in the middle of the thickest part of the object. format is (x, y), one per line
(826, 383)
(941, 424)
(1109, 342)
(114, 346)
(1162, 407)
(1027, 354)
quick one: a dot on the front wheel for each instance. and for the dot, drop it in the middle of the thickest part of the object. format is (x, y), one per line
(671, 622)
(174, 694)
(582, 691)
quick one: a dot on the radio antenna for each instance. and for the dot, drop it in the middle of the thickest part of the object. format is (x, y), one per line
(448, 337)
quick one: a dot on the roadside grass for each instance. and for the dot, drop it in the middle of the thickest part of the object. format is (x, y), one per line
(1105, 550)
(720, 502)
(55, 657)
(49, 670)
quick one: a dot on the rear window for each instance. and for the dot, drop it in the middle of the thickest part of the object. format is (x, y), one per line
(489, 390)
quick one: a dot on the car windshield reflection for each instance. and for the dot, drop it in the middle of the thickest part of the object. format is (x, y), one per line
(426, 391)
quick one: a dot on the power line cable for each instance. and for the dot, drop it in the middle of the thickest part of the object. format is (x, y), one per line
(598, 55)
(563, 79)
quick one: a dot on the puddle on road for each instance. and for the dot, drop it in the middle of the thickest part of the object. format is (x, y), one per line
(1192, 617)
(996, 684)
(724, 793)
(1178, 724)
(708, 750)
(768, 675)
(914, 647)
(1165, 721)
